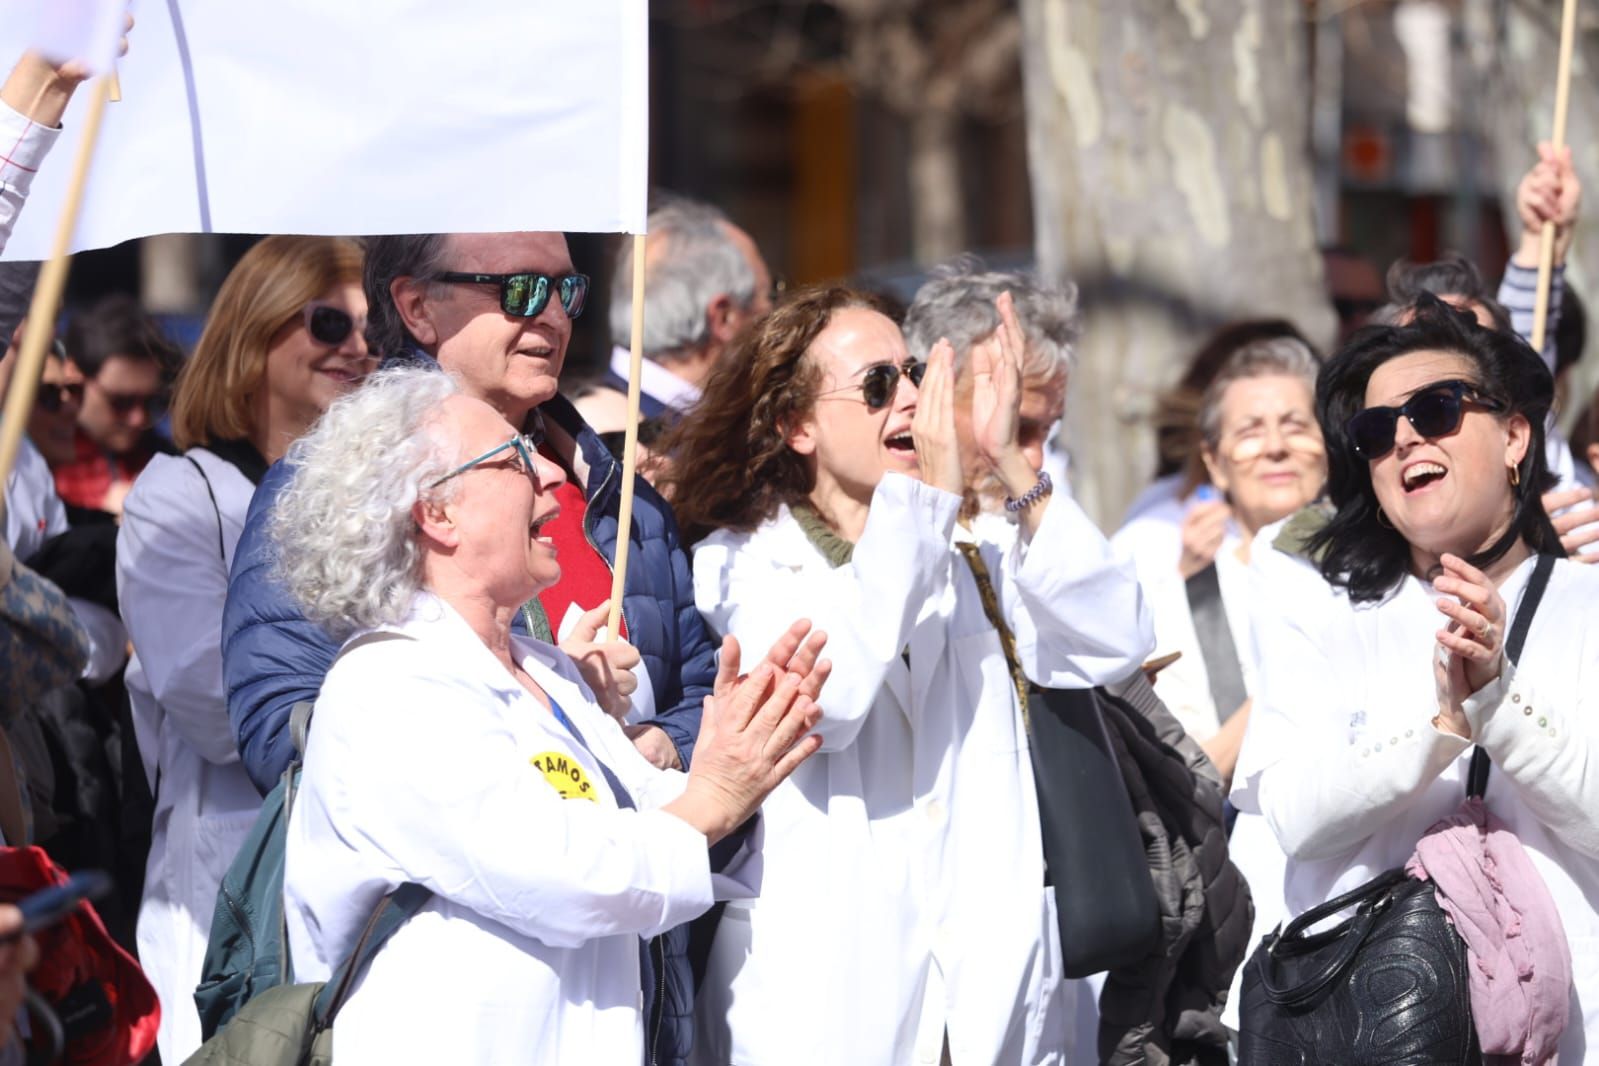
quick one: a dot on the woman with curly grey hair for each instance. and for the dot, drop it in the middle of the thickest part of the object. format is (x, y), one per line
(450, 754)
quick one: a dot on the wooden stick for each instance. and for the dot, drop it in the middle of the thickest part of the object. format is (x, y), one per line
(624, 519)
(47, 293)
(1546, 245)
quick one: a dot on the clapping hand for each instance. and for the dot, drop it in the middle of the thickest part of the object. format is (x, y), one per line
(933, 426)
(1471, 647)
(755, 732)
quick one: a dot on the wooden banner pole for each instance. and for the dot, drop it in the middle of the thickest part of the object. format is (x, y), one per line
(47, 293)
(1546, 247)
(624, 521)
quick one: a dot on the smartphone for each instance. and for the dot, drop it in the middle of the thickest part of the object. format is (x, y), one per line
(48, 906)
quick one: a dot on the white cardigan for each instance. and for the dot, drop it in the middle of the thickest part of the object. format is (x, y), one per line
(172, 578)
(1344, 763)
(903, 890)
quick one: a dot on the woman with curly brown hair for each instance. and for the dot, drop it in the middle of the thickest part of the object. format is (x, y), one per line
(903, 897)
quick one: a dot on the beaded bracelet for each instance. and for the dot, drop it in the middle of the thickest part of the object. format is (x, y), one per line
(1042, 488)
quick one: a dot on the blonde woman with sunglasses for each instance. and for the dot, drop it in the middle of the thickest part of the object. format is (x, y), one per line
(283, 341)
(903, 908)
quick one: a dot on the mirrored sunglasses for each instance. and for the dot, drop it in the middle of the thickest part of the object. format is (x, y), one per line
(527, 295)
(879, 381)
(1434, 411)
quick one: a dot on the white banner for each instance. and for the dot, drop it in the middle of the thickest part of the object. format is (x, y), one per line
(357, 117)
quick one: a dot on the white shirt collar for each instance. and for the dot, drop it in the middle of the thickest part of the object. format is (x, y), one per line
(656, 381)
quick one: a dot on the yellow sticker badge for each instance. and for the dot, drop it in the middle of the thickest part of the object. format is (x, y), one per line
(563, 772)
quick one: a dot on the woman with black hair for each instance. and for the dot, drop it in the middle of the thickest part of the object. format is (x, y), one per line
(1368, 709)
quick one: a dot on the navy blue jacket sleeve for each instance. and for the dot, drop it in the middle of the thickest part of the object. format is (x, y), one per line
(696, 652)
(272, 657)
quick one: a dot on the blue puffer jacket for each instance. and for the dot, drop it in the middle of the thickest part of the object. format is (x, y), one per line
(272, 658)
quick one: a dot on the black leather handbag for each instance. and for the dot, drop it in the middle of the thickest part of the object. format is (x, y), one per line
(1093, 851)
(1388, 985)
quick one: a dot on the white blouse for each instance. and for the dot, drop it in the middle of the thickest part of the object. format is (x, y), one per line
(1344, 763)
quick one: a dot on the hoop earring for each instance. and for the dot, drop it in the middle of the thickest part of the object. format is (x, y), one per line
(1382, 519)
(1515, 475)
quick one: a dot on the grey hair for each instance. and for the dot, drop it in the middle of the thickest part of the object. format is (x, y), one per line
(958, 302)
(1276, 356)
(342, 531)
(700, 263)
(415, 255)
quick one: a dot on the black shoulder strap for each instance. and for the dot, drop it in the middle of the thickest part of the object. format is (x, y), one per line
(1477, 775)
(1216, 644)
(209, 491)
(393, 911)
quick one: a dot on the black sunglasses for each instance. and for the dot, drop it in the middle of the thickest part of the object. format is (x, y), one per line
(1434, 411)
(52, 398)
(328, 324)
(878, 383)
(526, 295)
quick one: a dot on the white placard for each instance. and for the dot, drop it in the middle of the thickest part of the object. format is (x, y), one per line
(361, 116)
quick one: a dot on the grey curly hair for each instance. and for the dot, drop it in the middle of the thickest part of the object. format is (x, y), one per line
(957, 302)
(344, 539)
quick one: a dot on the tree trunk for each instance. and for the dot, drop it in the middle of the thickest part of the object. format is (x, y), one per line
(1171, 181)
(938, 225)
(1514, 49)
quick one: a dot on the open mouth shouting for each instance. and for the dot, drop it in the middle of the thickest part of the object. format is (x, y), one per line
(1420, 475)
(900, 445)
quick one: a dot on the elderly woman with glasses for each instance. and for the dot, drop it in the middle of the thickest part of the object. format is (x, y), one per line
(1369, 707)
(450, 753)
(283, 341)
(903, 899)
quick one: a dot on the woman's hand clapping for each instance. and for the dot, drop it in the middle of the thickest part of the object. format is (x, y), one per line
(933, 426)
(755, 732)
(1471, 647)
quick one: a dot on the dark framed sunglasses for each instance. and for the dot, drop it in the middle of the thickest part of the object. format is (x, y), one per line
(328, 324)
(1434, 411)
(527, 295)
(51, 398)
(879, 381)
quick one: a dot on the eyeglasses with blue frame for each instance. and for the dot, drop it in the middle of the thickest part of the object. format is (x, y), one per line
(526, 446)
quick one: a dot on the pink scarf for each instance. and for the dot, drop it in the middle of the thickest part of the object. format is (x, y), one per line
(1518, 958)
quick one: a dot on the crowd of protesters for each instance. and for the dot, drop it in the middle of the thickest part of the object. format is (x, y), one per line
(789, 811)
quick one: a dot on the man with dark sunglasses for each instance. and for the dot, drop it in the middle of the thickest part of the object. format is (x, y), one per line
(496, 311)
(126, 365)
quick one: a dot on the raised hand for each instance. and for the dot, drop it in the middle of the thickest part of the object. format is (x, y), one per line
(997, 386)
(1549, 192)
(933, 425)
(1472, 644)
(607, 668)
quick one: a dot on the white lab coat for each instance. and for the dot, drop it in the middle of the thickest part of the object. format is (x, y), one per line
(1184, 686)
(172, 578)
(903, 892)
(424, 765)
(1343, 761)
